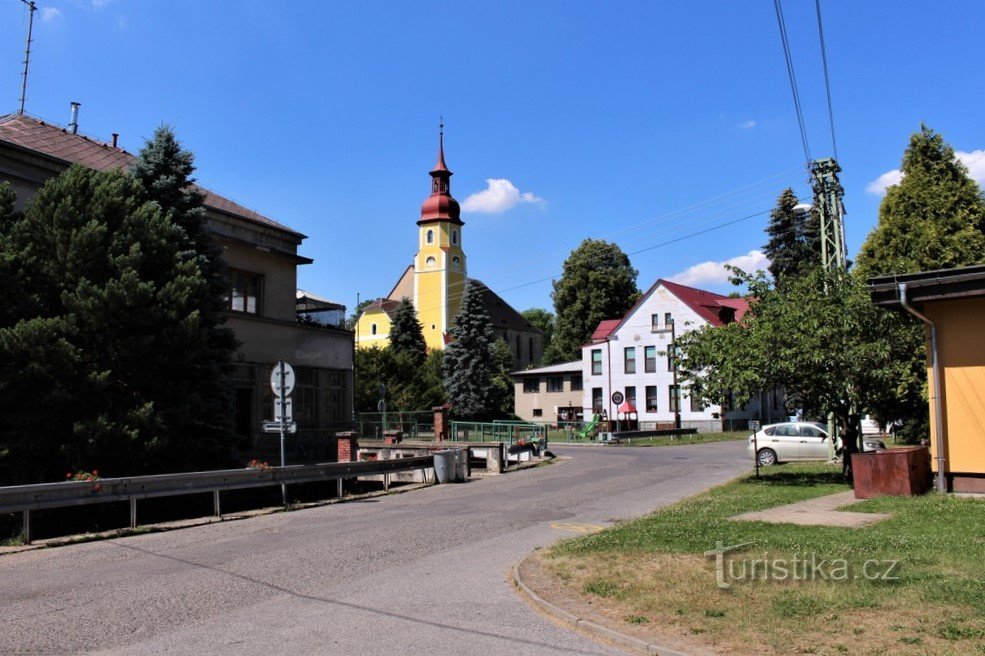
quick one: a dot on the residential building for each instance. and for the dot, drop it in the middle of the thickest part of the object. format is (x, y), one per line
(549, 394)
(262, 258)
(436, 282)
(953, 302)
(631, 355)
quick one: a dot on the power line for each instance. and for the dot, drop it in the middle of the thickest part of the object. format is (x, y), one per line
(827, 83)
(793, 79)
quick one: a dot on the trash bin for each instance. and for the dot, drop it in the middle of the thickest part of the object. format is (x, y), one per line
(451, 465)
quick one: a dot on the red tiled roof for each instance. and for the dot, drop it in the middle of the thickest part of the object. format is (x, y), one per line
(37, 135)
(707, 305)
(384, 304)
(604, 329)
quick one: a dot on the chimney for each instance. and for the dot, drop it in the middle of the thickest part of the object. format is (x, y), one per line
(74, 124)
(116, 135)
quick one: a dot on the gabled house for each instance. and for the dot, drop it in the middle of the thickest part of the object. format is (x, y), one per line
(631, 355)
(262, 259)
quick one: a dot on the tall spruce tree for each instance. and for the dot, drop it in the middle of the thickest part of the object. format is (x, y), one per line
(102, 354)
(164, 172)
(933, 219)
(469, 360)
(598, 282)
(406, 334)
(790, 248)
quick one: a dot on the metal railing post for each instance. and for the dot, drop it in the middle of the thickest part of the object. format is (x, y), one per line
(341, 491)
(133, 512)
(27, 527)
(216, 508)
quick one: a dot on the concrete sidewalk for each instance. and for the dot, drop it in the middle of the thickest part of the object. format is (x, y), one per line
(816, 512)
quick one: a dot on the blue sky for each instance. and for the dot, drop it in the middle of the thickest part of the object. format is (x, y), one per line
(636, 122)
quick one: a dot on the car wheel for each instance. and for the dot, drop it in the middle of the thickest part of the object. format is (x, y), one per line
(766, 457)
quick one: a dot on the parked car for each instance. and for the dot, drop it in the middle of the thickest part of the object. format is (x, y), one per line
(799, 440)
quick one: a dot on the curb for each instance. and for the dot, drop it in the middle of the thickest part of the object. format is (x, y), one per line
(587, 625)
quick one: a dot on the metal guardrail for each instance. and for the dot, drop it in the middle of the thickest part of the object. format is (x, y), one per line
(26, 498)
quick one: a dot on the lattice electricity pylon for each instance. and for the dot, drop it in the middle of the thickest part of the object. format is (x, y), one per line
(828, 193)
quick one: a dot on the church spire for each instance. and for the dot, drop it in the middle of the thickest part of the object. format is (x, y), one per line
(440, 206)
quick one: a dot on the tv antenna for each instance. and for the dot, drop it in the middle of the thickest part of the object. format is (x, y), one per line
(32, 7)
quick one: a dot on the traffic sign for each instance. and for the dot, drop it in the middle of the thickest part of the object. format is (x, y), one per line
(274, 427)
(287, 387)
(617, 397)
(381, 406)
(285, 405)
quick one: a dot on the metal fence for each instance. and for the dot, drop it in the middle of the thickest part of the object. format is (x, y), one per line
(509, 432)
(415, 424)
(26, 498)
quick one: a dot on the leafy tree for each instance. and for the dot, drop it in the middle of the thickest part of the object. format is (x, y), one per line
(469, 363)
(103, 355)
(502, 382)
(350, 323)
(933, 219)
(410, 386)
(598, 283)
(406, 334)
(543, 320)
(790, 248)
(819, 337)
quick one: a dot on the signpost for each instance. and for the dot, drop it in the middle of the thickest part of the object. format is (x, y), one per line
(282, 384)
(381, 407)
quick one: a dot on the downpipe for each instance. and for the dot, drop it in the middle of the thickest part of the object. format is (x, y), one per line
(936, 398)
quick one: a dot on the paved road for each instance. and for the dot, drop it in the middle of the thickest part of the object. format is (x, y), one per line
(423, 572)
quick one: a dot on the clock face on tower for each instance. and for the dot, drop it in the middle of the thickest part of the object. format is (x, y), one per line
(456, 262)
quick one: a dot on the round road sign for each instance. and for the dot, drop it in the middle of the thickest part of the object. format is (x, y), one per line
(617, 397)
(287, 386)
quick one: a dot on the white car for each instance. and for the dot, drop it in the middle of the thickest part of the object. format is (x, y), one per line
(798, 440)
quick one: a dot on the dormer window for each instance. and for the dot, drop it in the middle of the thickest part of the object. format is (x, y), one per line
(430, 236)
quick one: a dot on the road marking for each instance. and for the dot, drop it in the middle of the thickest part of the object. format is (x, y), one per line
(577, 528)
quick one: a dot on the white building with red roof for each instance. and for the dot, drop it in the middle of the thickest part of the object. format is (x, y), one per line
(630, 356)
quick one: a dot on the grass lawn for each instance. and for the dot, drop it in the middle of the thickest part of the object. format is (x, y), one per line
(650, 575)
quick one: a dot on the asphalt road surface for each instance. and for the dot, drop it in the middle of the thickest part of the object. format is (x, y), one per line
(425, 572)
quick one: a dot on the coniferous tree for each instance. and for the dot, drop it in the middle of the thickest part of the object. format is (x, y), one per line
(406, 334)
(101, 350)
(933, 219)
(164, 172)
(469, 359)
(598, 283)
(787, 247)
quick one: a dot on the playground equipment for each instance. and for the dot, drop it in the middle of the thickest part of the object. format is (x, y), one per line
(587, 430)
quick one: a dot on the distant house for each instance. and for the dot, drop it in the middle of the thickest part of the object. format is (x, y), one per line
(551, 394)
(262, 258)
(631, 355)
(319, 311)
(953, 301)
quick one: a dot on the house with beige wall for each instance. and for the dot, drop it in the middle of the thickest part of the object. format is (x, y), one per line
(550, 394)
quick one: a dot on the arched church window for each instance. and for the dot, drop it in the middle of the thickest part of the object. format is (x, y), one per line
(454, 237)
(430, 236)
(455, 262)
(372, 329)
(430, 262)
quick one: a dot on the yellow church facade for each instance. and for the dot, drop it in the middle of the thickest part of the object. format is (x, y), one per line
(436, 282)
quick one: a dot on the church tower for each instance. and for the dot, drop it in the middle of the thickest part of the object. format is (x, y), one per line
(439, 267)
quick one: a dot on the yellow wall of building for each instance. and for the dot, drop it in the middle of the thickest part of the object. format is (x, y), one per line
(438, 288)
(961, 347)
(364, 329)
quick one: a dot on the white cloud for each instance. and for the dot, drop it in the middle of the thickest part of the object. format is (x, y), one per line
(50, 13)
(975, 161)
(747, 125)
(499, 195)
(715, 273)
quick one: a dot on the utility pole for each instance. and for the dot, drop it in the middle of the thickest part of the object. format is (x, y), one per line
(828, 193)
(31, 8)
